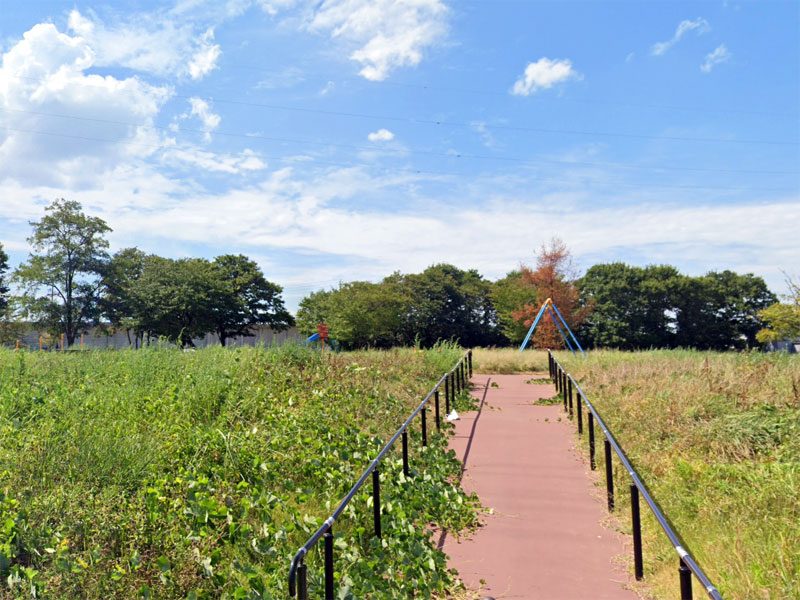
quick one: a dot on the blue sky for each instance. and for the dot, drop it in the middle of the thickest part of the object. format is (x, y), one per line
(346, 139)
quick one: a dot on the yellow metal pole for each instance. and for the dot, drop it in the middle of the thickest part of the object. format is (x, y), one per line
(62, 342)
(16, 348)
(81, 341)
(40, 342)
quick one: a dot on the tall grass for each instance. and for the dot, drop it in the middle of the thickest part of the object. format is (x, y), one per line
(508, 360)
(716, 438)
(162, 474)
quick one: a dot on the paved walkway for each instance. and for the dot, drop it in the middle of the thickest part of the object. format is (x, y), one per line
(544, 539)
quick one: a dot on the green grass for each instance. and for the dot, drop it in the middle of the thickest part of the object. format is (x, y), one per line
(716, 438)
(162, 474)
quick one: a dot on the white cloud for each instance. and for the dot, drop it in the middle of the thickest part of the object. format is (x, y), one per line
(543, 74)
(386, 34)
(382, 135)
(719, 55)
(45, 92)
(699, 24)
(233, 164)
(148, 43)
(200, 108)
(205, 58)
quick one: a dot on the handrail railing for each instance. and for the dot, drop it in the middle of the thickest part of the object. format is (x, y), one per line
(565, 384)
(455, 380)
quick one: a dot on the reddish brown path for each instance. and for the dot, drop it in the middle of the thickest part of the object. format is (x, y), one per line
(544, 539)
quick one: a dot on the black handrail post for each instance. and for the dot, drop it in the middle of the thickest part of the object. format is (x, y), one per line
(328, 537)
(564, 388)
(591, 441)
(638, 567)
(436, 401)
(424, 414)
(609, 475)
(580, 412)
(376, 501)
(302, 581)
(447, 395)
(686, 581)
(470, 364)
(569, 393)
(405, 453)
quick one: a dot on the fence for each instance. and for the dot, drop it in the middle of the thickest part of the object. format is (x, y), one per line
(567, 387)
(454, 381)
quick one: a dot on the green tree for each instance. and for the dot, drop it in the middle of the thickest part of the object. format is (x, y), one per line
(445, 302)
(720, 310)
(313, 309)
(120, 277)
(509, 294)
(176, 299)
(248, 299)
(3, 281)
(362, 314)
(62, 277)
(782, 319)
(11, 328)
(631, 305)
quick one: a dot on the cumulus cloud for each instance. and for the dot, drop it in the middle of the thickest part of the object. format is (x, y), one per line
(148, 43)
(45, 91)
(382, 135)
(719, 55)
(543, 74)
(385, 34)
(700, 25)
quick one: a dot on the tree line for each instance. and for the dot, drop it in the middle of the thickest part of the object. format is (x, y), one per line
(70, 282)
(612, 305)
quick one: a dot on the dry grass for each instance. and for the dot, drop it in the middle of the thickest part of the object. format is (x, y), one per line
(716, 437)
(508, 360)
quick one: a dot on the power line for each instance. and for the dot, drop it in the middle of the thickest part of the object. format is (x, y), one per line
(470, 125)
(561, 99)
(436, 173)
(404, 151)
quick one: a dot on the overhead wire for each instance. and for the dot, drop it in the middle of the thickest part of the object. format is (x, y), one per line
(399, 151)
(426, 172)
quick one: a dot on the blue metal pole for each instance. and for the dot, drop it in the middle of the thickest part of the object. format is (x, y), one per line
(561, 331)
(533, 326)
(577, 343)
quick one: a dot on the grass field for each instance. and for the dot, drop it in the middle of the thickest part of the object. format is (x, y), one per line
(162, 474)
(716, 438)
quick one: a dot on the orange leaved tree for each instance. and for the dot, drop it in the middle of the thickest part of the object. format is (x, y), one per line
(554, 277)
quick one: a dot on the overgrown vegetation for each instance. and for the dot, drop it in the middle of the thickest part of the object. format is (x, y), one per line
(187, 475)
(716, 438)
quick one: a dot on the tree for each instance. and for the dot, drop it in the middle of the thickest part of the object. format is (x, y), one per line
(11, 329)
(509, 294)
(553, 278)
(720, 310)
(782, 319)
(445, 302)
(248, 299)
(3, 283)
(362, 314)
(631, 305)
(313, 309)
(176, 299)
(120, 277)
(62, 277)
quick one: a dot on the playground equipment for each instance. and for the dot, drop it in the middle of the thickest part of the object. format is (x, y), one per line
(552, 309)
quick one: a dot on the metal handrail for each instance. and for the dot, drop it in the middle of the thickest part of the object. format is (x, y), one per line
(454, 380)
(687, 562)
